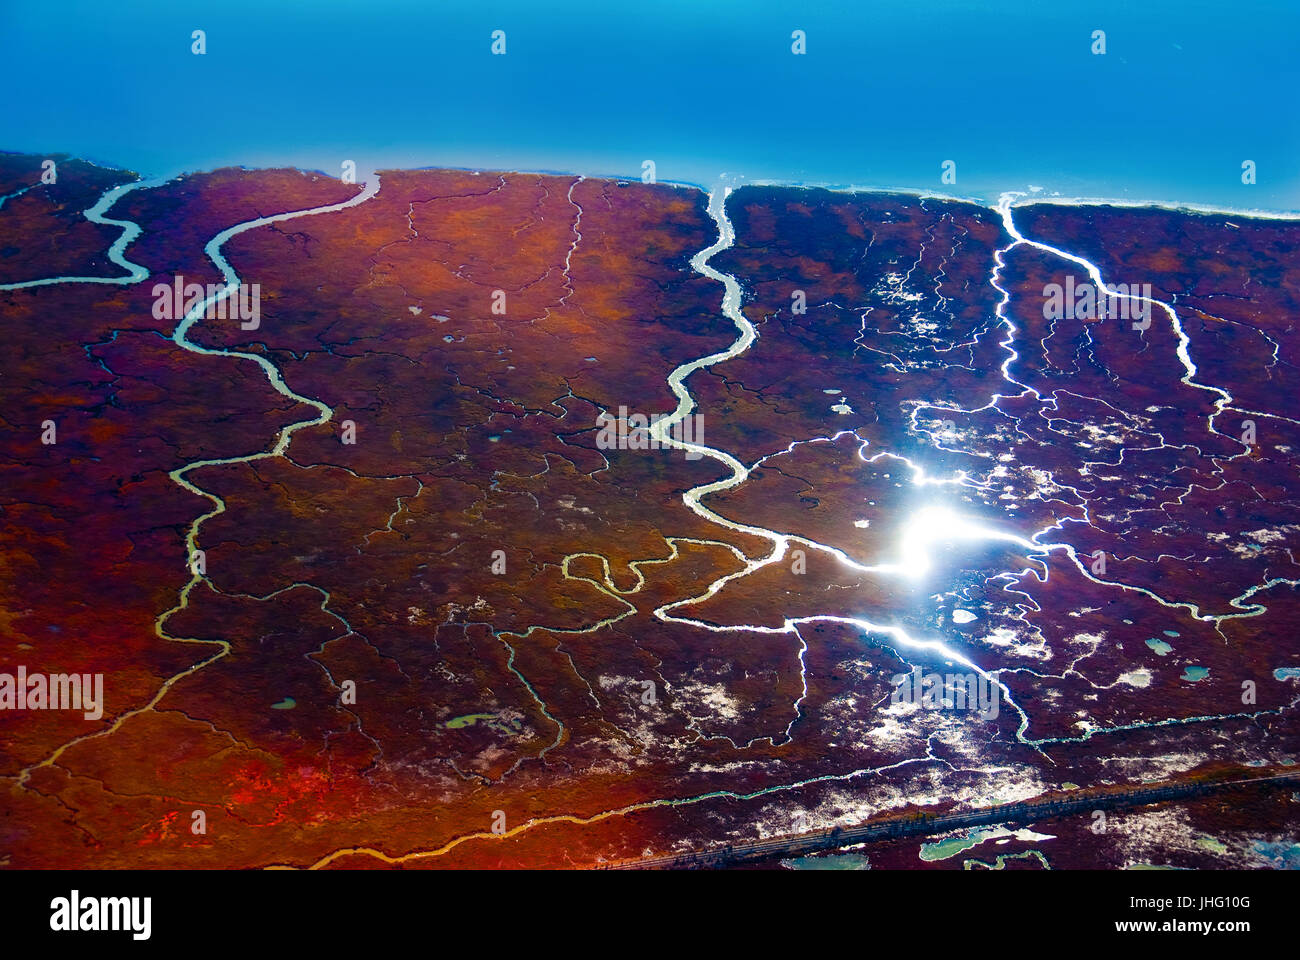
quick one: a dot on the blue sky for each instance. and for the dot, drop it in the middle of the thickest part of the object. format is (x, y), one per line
(886, 93)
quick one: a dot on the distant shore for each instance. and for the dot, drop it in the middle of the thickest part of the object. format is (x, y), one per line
(1026, 196)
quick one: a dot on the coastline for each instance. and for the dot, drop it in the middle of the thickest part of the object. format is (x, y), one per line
(1022, 197)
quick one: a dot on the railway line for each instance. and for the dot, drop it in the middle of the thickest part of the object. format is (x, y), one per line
(923, 824)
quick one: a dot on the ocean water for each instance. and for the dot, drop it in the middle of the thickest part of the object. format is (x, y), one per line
(887, 91)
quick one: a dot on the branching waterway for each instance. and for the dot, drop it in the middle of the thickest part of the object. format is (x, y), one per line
(180, 336)
(662, 430)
